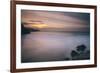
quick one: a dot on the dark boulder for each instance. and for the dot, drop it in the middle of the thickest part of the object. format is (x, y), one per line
(74, 53)
(81, 48)
(67, 58)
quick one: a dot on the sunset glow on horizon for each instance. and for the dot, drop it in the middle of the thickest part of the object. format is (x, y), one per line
(56, 21)
(39, 25)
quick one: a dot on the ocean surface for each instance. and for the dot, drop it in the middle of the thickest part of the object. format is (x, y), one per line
(51, 46)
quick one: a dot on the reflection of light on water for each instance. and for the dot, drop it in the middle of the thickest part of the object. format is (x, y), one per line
(51, 45)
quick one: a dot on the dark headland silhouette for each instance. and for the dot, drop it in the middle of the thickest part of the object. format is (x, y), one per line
(25, 30)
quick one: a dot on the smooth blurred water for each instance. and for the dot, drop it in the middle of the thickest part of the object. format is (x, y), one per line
(51, 46)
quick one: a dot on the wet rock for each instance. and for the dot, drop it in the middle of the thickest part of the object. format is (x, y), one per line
(81, 48)
(74, 53)
(67, 58)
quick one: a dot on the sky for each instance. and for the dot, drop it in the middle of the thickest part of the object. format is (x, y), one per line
(56, 21)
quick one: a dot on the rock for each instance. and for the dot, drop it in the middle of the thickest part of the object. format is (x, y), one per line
(67, 58)
(81, 48)
(74, 53)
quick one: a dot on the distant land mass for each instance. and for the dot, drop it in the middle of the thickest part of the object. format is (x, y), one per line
(25, 30)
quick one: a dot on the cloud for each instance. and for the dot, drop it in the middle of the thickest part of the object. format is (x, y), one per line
(61, 20)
